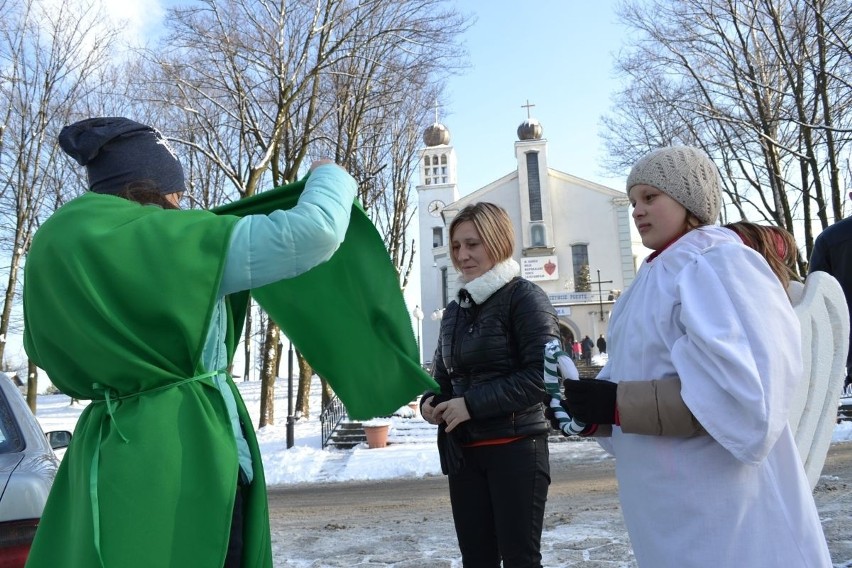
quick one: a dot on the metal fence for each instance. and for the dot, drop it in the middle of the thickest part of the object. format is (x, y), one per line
(332, 414)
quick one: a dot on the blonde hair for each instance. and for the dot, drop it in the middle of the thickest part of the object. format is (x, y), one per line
(775, 244)
(494, 227)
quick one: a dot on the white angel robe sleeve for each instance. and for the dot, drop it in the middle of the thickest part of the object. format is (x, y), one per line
(740, 358)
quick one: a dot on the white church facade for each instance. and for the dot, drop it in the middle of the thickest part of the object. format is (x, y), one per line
(573, 236)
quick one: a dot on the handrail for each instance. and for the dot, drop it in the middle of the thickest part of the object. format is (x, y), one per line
(331, 415)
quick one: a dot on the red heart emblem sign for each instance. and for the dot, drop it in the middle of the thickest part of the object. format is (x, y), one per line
(549, 268)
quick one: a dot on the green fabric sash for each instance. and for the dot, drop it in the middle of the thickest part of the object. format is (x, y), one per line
(347, 316)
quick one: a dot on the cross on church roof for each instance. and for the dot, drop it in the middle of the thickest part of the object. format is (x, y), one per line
(527, 106)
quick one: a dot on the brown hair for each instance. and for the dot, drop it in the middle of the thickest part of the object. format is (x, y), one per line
(146, 193)
(775, 244)
(494, 227)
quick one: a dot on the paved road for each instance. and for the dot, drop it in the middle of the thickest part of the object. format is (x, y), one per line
(407, 523)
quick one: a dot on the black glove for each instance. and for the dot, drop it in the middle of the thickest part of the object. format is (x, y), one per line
(438, 399)
(551, 417)
(591, 401)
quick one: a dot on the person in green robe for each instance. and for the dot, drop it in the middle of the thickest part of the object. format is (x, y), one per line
(136, 305)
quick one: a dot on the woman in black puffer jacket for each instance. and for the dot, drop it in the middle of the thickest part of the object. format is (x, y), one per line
(492, 433)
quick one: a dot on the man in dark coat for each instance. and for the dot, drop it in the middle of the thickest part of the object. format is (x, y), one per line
(587, 346)
(602, 344)
(833, 254)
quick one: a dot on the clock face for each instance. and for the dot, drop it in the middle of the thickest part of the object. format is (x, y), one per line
(435, 207)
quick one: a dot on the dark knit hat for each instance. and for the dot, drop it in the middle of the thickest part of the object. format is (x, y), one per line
(118, 151)
(685, 174)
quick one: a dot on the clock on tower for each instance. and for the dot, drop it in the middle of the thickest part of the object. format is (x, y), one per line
(435, 207)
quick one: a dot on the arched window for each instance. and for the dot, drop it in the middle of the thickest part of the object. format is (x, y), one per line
(538, 235)
(580, 258)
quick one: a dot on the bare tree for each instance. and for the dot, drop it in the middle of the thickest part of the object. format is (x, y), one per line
(761, 85)
(47, 54)
(258, 81)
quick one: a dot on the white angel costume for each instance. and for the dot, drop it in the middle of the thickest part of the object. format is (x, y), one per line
(709, 310)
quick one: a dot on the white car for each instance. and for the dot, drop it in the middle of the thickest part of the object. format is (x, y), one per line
(27, 468)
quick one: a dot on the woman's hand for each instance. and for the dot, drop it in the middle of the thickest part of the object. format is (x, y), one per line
(453, 412)
(317, 163)
(427, 411)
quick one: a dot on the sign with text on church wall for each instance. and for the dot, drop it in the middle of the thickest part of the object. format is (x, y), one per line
(540, 268)
(571, 298)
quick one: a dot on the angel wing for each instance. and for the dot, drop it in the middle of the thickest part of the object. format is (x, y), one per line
(824, 317)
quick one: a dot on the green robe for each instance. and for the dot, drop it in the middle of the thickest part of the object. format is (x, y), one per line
(154, 495)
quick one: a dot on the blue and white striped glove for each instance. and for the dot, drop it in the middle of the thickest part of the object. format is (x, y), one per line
(558, 366)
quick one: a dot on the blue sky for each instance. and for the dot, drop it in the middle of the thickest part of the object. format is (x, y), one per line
(558, 54)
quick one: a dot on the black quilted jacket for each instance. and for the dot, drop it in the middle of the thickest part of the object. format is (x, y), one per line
(493, 355)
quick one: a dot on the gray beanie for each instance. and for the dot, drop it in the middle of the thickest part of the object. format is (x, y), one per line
(685, 174)
(118, 151)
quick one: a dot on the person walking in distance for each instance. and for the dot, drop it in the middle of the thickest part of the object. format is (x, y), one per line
(587, 346)
(832, 253)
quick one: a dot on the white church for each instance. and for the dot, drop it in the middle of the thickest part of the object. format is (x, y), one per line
(570, 233)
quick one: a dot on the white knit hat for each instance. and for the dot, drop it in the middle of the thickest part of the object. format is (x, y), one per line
(685, 174)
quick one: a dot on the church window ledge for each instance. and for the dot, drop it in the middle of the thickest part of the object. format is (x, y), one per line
(538, 251)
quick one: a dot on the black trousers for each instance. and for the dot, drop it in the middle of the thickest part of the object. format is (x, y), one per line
(498, 501)
(234, 557)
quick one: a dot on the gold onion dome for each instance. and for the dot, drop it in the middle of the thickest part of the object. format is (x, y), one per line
(436, 135)
(530, 129)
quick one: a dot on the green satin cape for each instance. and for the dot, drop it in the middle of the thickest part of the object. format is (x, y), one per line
(153, 494)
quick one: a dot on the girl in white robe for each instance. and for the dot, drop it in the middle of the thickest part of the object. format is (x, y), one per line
(704, 357)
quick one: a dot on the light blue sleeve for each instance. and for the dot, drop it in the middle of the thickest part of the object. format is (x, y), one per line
(284, 244)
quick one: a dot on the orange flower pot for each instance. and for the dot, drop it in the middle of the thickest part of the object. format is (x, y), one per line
(377, 436)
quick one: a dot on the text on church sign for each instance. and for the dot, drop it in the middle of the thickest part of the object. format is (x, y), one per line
(540, 268)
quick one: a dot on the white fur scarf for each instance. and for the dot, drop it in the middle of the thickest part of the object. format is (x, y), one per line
(481, 287)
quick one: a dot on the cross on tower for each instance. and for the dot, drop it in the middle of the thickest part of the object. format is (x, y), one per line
(527, 106)
(600, 293)
(436, 110)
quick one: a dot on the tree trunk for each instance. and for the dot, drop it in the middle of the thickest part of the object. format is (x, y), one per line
(271, 356)
(9, 299)
(247, 343)
(306, 372)
(327, 393)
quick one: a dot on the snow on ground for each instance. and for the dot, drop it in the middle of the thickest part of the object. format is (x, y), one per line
(411, 452)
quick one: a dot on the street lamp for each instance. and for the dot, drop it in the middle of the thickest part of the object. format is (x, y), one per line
(291, 420)
(418, 315)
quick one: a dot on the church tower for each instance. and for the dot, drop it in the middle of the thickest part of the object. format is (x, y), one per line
(533, 183)
(437, 188)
